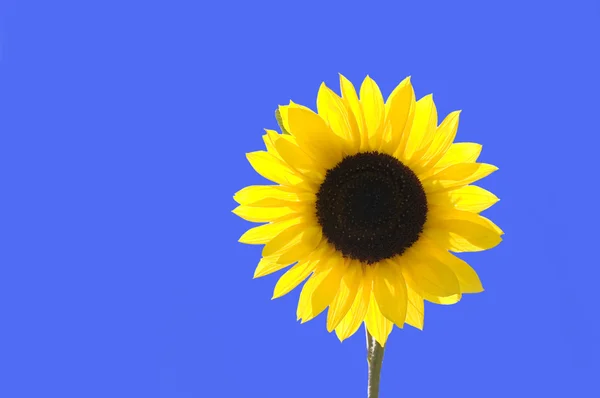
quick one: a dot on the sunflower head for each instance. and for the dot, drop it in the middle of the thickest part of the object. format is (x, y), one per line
(370, 199)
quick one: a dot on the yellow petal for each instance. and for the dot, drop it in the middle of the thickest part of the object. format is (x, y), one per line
(429, 276)
(268, 140)
(491, 224)
(423, 128)
(275, 170)
(263, 214)
(266, 267)
(389, 289)
(309, 241)
(467, 277)
(293, 277)
(462, 231)
(299, 160)
(271, 195)
(455, 298)
(443, 139)
(264, 233)
(460, 152)
(283, 113)
(318, 292)
(468, 198)
(331, 108)
(314, 137)
(285, 239)
(398, 114)
(378, 325)
(457, 175)
(291, 238)
(352, 103)
(419, 294)
(373, 110)
(356, 315)
(415, 312)
(338, 114)
(345, 296)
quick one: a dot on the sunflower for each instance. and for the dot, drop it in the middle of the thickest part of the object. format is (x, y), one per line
(371, 199)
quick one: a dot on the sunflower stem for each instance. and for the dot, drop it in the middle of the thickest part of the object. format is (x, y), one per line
(375, 361)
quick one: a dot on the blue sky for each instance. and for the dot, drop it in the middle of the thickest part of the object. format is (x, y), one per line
(123, 129)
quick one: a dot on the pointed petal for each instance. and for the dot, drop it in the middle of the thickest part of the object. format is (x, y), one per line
(293, 277)
(315, 137)
(283, 113)
(468, 198)
(285, 239)
(429, 276)
(443, 139)
(298, 240)
(352, 103)
(266, 267)
(373, 110)
(460, 152)
(264, 233)
(467, 277)
(332, 109)
(268, 140)
(389, 289)
(321, 288)
(356, 315)
(456, 176)
(345, 296)
(428, 250)
(275, 170)
(271, 195)
(398, 114)
(305, 247)
(462, 231)
(415, 312)
(423, 128)
(298, 160)
(263, 214)
(378, 325)
(491, 224)
(455, 298)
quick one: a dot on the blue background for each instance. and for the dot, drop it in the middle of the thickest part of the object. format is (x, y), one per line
(123, 129)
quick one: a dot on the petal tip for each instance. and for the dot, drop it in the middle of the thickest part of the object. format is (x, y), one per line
(250, 155)
(256, 275)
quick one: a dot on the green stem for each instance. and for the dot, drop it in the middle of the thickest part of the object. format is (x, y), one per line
(375, 361)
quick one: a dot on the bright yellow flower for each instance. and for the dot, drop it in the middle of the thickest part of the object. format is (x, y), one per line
(371, 199)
